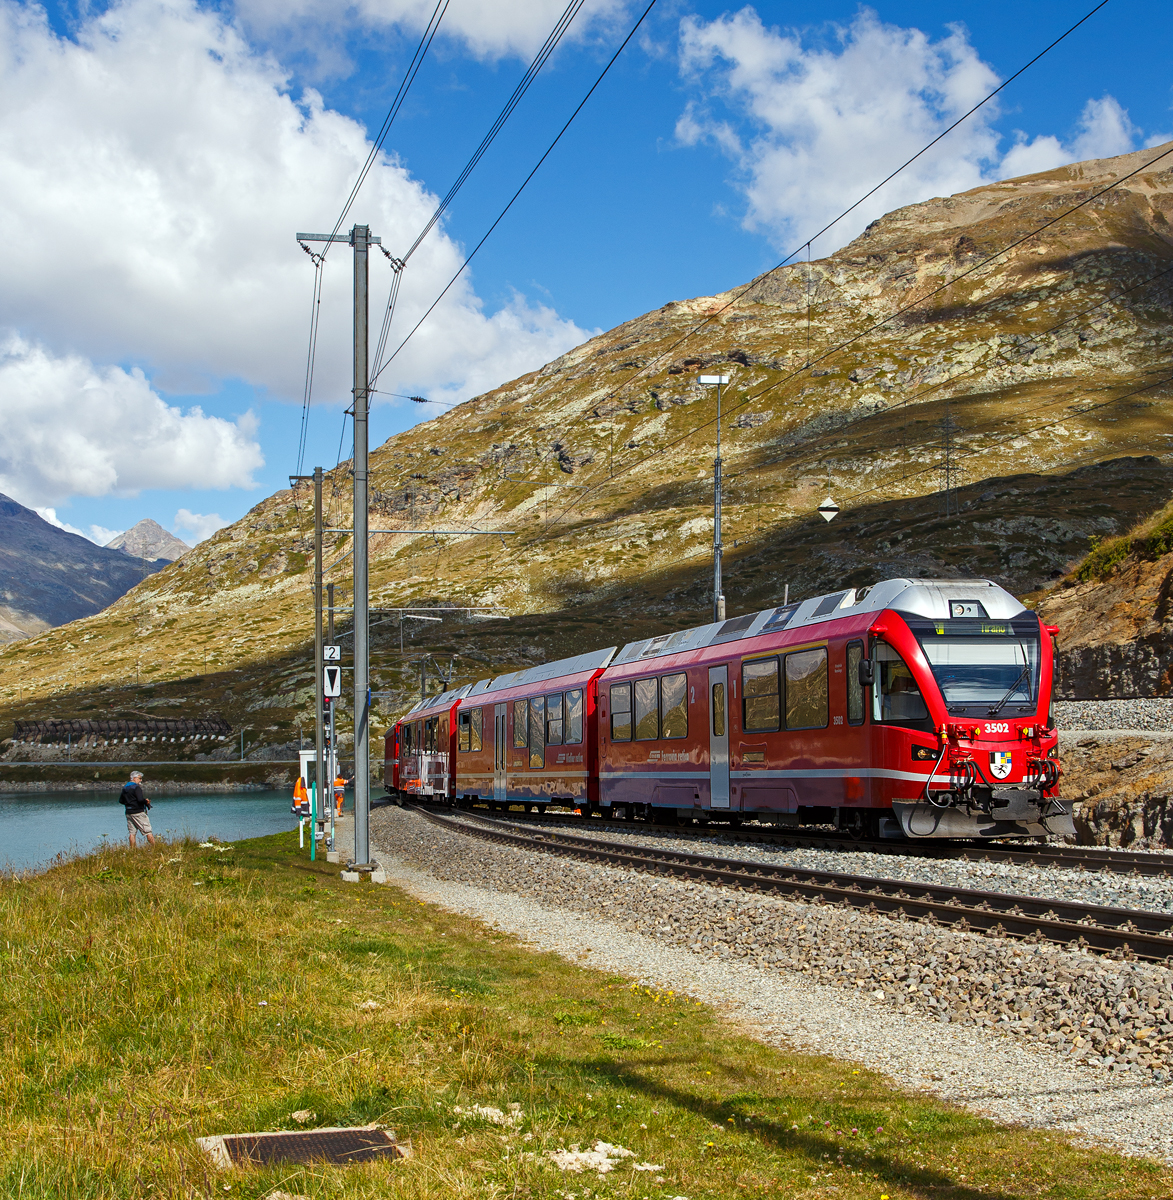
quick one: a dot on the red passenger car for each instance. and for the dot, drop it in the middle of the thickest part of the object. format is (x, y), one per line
(420, 751)
(915, 707)
(532, 737)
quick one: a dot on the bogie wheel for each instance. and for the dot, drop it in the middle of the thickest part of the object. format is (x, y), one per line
(858, 823)
(540, 808)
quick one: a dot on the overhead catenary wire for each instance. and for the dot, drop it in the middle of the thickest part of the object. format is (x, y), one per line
(879, 324)
(319, 258)
(398, 264)
(513, 199)
(740, 293)
(907, 401)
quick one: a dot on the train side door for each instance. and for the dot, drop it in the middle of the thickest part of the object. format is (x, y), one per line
(719, 737)
(499, 753)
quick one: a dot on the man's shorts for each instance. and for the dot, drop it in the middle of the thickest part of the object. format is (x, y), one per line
(138, 823)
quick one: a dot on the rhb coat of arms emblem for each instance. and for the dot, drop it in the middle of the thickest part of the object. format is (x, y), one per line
(1000, 763)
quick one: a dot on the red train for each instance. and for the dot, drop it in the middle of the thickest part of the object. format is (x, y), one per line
(914, 708)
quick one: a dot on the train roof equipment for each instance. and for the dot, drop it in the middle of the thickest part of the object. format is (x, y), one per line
(442, 700)
(936, 599)
(594, 660)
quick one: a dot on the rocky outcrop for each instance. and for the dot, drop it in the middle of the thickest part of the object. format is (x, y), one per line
(149, 540)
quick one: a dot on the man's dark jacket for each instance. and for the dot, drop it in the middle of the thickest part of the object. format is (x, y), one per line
(134, 798)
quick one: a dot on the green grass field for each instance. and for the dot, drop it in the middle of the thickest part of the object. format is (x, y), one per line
(151, 997)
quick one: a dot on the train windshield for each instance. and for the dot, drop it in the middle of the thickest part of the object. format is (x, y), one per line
(984, 670)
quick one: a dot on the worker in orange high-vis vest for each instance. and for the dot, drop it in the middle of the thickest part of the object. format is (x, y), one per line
(339, 793)
(301, 798)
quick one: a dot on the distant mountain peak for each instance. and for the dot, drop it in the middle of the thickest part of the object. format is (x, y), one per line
(149, 540)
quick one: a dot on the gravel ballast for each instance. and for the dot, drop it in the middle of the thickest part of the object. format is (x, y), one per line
(1025, 1032)
(1152, 715)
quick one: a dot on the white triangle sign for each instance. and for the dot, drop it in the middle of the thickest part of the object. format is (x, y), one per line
(828, 510)
(332, 683)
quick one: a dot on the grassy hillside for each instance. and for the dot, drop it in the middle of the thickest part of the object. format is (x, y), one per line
(1038, 374)
(257, 991)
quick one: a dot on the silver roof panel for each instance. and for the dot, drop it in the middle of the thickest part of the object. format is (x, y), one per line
(919, 597)
(591, 661)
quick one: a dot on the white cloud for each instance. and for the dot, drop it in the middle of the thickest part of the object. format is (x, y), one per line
(103, 536)
(50, 515)
(198, 526)
(72, 428)
(1104, 130)
(155, 171)
(827, 122)
(489, 29)
(97, 534)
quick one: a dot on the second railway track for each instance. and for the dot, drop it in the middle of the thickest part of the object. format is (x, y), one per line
(1148, 935)
(1117, 862)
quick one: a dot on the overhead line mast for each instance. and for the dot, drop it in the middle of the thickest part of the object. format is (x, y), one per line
(360, 238)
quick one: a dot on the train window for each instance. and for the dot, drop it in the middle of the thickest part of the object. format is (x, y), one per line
(463, 725)
(520, 724)
(855, 707)
(430, 736)
(718, 710)
(759, 695)
(537, 732)
(674, 706)
(896, 698)
(476, 729)
(554, 720)
(647, 710)
(621, 712)
(406, 739)
(806, 689)
(573, 729)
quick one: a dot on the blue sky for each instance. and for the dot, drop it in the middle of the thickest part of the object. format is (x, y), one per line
(151, 349)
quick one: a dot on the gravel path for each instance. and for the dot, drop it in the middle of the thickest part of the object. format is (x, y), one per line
(1138, 715)
(1006, 1028)
(1050, 882)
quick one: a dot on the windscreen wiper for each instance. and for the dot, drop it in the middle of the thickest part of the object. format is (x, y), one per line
(997, 708)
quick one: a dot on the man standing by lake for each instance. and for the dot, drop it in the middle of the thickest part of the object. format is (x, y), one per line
(136, 804)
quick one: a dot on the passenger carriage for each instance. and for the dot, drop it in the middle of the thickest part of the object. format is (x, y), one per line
(914, 707)
(531, 737)
(420, 751)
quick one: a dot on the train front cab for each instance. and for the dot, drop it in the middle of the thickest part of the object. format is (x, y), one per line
(963, 703)
(532, 736)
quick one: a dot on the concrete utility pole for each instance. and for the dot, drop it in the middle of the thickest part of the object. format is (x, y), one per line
(718, 593)
(319, 680)
(361, 240)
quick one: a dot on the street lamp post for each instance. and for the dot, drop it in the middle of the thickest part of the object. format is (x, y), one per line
(717, 381)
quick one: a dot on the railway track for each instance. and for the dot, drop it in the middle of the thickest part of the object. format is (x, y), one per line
(1119, 862)
(1128, 931)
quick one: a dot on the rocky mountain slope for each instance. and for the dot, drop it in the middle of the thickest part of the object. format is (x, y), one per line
(1038, 375)
(49, 577)
(1116, 613)
(149, 540)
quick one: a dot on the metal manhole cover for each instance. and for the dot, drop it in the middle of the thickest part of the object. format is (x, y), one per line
(340, 1146)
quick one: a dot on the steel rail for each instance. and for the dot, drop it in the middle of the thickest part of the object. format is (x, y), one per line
(1118, 862)
(1144, 934)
